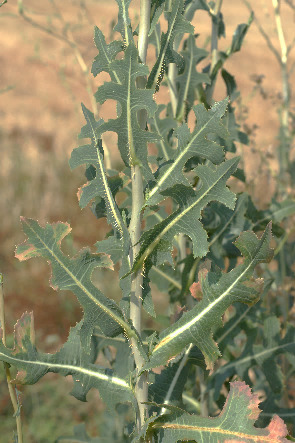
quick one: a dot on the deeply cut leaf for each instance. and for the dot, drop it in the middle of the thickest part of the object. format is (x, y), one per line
(190, 145)
(107, 53)
(186, 219)
(177, 24)
(71, 359)
(219, 292)
(74, 274)
(190, 79)
(261, 355)
(234, 424)
(132, 140)
(98, 186)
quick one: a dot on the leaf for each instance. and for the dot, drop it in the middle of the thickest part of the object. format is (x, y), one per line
(159, 389)
(111, 246)
(276, 212)
(107, 53)
(98, 186)
(167, 387)
(234, 424)
(185, 219)
(74, 274)
(190, 79)
(157, 7)
(240, 34)
(231, 85)
(177, 24)
(190, 145)
(71, 359)
(224, 226)
(261, 355)
(271, 406)
(132, 140)
(80, 436)
(164, 128)
(124, 25)
(219, 292)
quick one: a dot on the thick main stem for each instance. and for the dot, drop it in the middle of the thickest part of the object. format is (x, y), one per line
(141, 389)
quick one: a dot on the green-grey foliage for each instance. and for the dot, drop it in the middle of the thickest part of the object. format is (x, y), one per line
(203, 245)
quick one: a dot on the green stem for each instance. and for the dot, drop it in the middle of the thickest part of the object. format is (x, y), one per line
(9, 379)
(284, 117)
(214, 47)
(141, 389)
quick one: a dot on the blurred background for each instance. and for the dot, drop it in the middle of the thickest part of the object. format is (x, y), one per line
(45, 61)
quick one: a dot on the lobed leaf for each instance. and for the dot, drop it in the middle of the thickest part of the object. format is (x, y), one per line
(74, 274)
(98, 186)
(124, 24)
(261, 355)
(190, 145)
(234, 424)
(163, 127)
(190, 79)
(185, 219)
(107, 53)
(224, 226)
(71, 359)
(219, 292)
(132, 140)
(177, 24)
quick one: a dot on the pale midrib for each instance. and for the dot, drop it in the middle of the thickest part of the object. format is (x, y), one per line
(225, 226)
(176, 219)
(167, 277)
(83, 288)
(177, 160)
(125, 24)
(217, 430)
(99, 375)
(255, 356)
(271, 216)
(161, 140)
(205, 311)
(108, 194)
(109, 62)
(188, 78)
(157, 41)
(105, 183)
(166, 45)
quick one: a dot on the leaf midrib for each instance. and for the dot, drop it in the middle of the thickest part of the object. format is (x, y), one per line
(205, 311)
(105, 183)
(177, 160)
(96, 374)
(188, 79)
(109, 61)
(162, 57)
(255, 356)
(179, 216)
(83, 288)
(211, 430)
